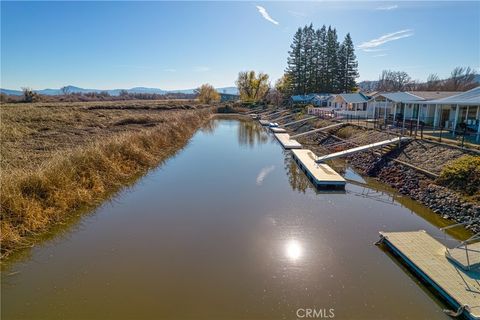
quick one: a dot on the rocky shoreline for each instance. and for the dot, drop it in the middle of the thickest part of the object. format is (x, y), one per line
(406, 180)
(419, 187)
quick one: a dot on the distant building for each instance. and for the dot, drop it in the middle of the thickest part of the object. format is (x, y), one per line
(315, 99)
(224, 97)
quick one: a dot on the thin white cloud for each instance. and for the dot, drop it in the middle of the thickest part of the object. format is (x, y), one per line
(201, 69)
(265, 14)
(375, 50)
(263, 174)
(297, 13)
(380, 55)
(390, 7)
(386, 38)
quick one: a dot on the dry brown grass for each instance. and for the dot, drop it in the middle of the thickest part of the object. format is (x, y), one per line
(60, 158)
(348, 131)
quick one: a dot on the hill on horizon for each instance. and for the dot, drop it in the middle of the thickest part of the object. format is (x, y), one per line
(113, 92)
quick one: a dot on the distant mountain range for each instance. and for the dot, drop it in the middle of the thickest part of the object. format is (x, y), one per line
(114, 92)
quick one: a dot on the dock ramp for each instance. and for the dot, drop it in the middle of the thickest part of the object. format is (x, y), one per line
(278, 130)
(360, 149)
(298, 121)
(466, 256)
(282, 117)
(426, 257)
(336, 125)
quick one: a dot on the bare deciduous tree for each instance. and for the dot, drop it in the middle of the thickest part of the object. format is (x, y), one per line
(275, 97)
(207, 94)
(461, 79)
(29, 95)
(394, 81)
(65, 90)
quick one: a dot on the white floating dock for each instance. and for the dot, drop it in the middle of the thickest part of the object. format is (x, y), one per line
(322, 174)
(286, 142)
(426, 256)
(359, 149)
(278, 130)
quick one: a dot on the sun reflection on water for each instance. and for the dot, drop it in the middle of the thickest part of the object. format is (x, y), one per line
(293, 250)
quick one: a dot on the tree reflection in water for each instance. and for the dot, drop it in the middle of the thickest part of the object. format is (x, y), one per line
(251, 133)
(210, 126)
(297, 178)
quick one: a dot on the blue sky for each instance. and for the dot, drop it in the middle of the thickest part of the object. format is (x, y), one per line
(180, 45)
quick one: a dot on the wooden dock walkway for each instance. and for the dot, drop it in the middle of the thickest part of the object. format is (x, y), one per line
(264, 122)
(286, 142)
(336, 125)
(361, 148)
(427, 257)
(322, 174)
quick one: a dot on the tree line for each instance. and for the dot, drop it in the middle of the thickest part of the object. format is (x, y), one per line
(29, 95)
(460, 79)
(318, 62)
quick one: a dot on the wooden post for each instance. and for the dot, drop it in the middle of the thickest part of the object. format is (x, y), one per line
(385, 111)
(394, 112)
(477, 121)
(418, 119)
(455, 120)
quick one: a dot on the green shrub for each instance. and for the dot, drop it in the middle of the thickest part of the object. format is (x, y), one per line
(462, 174)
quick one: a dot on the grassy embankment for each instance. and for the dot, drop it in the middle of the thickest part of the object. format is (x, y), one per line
(463, 176)
(60, 158)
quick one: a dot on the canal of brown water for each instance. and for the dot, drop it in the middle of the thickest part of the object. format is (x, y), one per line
(229, 228)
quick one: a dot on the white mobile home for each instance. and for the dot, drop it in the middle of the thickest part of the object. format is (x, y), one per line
(461, 108)
(351, 104)
(392, 104)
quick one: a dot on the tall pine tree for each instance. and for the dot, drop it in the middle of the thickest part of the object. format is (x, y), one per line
(321, 61)
(294, 63)
(348, 65)
(318, 63)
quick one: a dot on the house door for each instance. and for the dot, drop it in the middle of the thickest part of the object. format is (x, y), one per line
(444, 117)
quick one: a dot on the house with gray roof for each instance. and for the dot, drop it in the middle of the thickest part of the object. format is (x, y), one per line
(452, 111)
(315, 99)
(391, 105)
(408, 105)
(350, 104)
